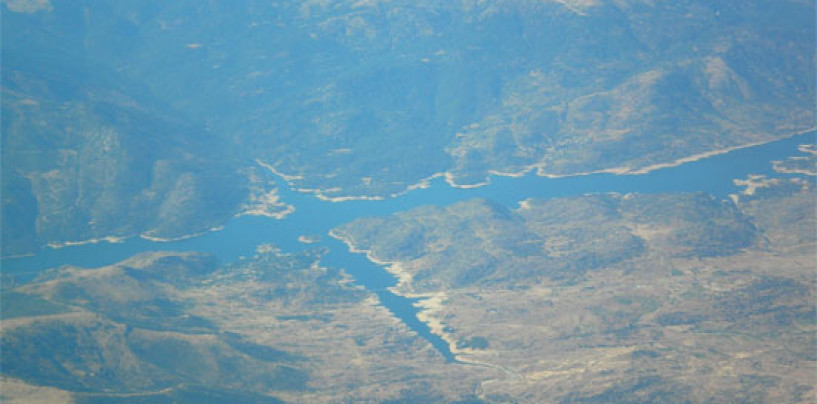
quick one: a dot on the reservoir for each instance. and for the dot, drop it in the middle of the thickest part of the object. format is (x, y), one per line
(314, 216)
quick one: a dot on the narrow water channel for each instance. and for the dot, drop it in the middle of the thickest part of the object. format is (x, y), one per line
(313, 216)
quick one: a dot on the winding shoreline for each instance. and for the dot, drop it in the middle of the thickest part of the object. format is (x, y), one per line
(539, 169)
(449, 179)
(427, 304)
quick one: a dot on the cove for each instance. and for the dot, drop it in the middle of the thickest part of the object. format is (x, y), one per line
(314, 216)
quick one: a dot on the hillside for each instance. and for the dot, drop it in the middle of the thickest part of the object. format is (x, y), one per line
(618, 298)
(145, 114)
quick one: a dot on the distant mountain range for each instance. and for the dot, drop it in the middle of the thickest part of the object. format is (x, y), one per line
(122, 119)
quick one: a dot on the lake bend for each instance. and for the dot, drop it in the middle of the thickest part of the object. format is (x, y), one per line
(314, 218)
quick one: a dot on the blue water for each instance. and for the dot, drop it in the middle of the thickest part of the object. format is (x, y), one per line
(313, 216)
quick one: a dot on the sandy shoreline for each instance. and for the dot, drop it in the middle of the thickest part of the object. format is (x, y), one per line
(783, 170)
(107, 239)
(539, 168)
(450, 179)
(261, 211)
(394, 268)
(185, 237)
(427, 305)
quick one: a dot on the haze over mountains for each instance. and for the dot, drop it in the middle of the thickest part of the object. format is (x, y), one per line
(149, 117)
(166, 120)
